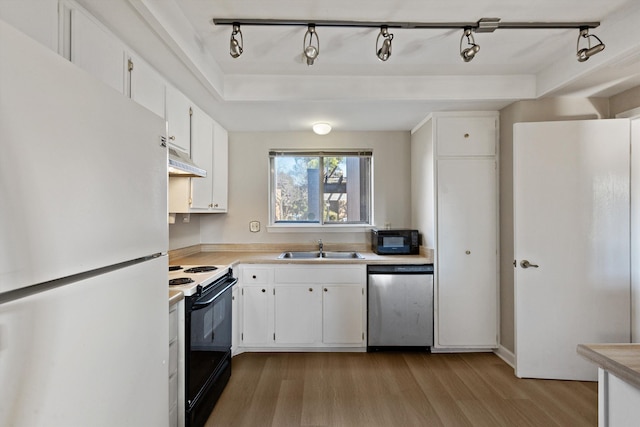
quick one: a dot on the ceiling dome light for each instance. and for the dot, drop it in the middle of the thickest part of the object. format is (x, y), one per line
(469, 53)
(586, 53)
(311, 51)
(235, 47)
(321, 128)
(384, 52)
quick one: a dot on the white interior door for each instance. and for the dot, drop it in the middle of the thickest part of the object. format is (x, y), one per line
(571, 222)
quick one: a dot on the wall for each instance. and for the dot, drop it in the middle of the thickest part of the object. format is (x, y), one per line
(422, 183)
(36, 18)
(551, 109)
(249, 188)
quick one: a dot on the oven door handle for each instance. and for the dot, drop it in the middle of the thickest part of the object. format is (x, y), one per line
(198, 305)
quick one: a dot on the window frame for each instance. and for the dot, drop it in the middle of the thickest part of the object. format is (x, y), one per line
(320, 224)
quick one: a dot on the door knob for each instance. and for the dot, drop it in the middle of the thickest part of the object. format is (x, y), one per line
(526, 264)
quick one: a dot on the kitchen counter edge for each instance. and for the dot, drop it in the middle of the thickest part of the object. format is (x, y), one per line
(622, 360)
(249, 257)
(175, 297)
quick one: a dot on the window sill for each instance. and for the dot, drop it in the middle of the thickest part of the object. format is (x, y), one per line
(311, 228)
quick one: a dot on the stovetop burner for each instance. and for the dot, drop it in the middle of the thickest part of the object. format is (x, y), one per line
(175, 267)
(180, 281)
(201, 269)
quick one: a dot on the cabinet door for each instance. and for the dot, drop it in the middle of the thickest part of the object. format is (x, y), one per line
(220, 173)
(146, 86)
(255, 315)
(202, 155)
(178, 115)
(466, 136)
(467, 252)
(298, 314)
(235, 334)
(96, 51)
(342, 314)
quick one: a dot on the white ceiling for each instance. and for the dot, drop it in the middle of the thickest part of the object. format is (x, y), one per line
(269, 87)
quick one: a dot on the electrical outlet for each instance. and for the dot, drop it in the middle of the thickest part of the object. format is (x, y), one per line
(254, 226)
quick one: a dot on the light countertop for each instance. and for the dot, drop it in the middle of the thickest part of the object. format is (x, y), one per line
(245, 254)
(267, 257)
(622, 360)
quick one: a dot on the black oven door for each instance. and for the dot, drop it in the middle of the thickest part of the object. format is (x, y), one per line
(208, 349)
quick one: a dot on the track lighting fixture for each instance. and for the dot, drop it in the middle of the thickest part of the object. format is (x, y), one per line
(235, 46)
(470, 52)
(311, 51)
(311, 47)
(586, 53)
(384, 51)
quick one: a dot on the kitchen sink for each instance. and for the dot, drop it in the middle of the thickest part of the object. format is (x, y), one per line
(299, 255)
(342, 255)
(326, 255)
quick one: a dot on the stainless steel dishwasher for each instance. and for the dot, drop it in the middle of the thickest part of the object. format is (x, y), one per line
(400, 307)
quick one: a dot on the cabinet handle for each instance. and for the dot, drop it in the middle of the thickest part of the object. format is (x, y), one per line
(466, 135)
(326, 290)
(215, 206)
(264, 290)
(468, 252)
(310, 289)
(172, 137)
(254, 276)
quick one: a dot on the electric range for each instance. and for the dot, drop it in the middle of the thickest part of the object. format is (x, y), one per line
(187, 278)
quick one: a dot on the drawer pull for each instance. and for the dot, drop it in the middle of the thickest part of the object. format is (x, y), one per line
(466, 135)
(254, 276)
(264, 290)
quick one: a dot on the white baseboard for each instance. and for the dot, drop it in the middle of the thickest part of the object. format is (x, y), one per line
(506, 355)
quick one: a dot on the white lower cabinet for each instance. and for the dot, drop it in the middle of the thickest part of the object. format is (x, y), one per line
(303, 306)
(342, 320)
(173, 365)
(298, 314)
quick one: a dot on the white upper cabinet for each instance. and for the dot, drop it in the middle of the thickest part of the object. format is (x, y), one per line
(97, 51)
(209, 151)
(146, 86)
(471, 136)
(178, 114)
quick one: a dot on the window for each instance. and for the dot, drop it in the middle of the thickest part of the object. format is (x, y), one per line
(320, 187)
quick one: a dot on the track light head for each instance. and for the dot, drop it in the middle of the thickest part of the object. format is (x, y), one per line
(384, 51)
(587, 52)
(235, 46)
(311, 51)
(470, 52)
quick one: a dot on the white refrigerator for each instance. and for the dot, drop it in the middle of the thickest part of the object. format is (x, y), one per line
(83, 242)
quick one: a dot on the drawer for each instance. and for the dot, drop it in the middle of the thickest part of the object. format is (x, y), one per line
(466, 136)
(256, 276)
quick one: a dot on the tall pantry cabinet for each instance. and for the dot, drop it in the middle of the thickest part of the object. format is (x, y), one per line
(455, 206)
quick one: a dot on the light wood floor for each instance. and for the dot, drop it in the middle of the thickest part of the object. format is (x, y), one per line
(395, 389)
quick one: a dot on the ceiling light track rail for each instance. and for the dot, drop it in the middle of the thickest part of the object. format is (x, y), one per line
(468, 50)
(478, 26)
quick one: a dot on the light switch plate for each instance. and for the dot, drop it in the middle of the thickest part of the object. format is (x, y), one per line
(254, 226)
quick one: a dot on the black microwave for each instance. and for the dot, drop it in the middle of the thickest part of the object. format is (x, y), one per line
(395, 242)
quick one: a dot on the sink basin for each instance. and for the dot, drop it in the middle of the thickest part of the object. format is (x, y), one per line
(327, 255)
(342, 255)
(299, 255)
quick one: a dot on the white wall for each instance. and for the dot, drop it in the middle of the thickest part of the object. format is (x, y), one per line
(422, 183)
(36, 18)
(249, 184)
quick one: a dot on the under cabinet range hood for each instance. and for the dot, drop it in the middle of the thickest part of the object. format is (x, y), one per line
(181, 165)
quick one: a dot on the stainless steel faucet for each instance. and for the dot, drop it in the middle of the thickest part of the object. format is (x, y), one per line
(320, 246)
